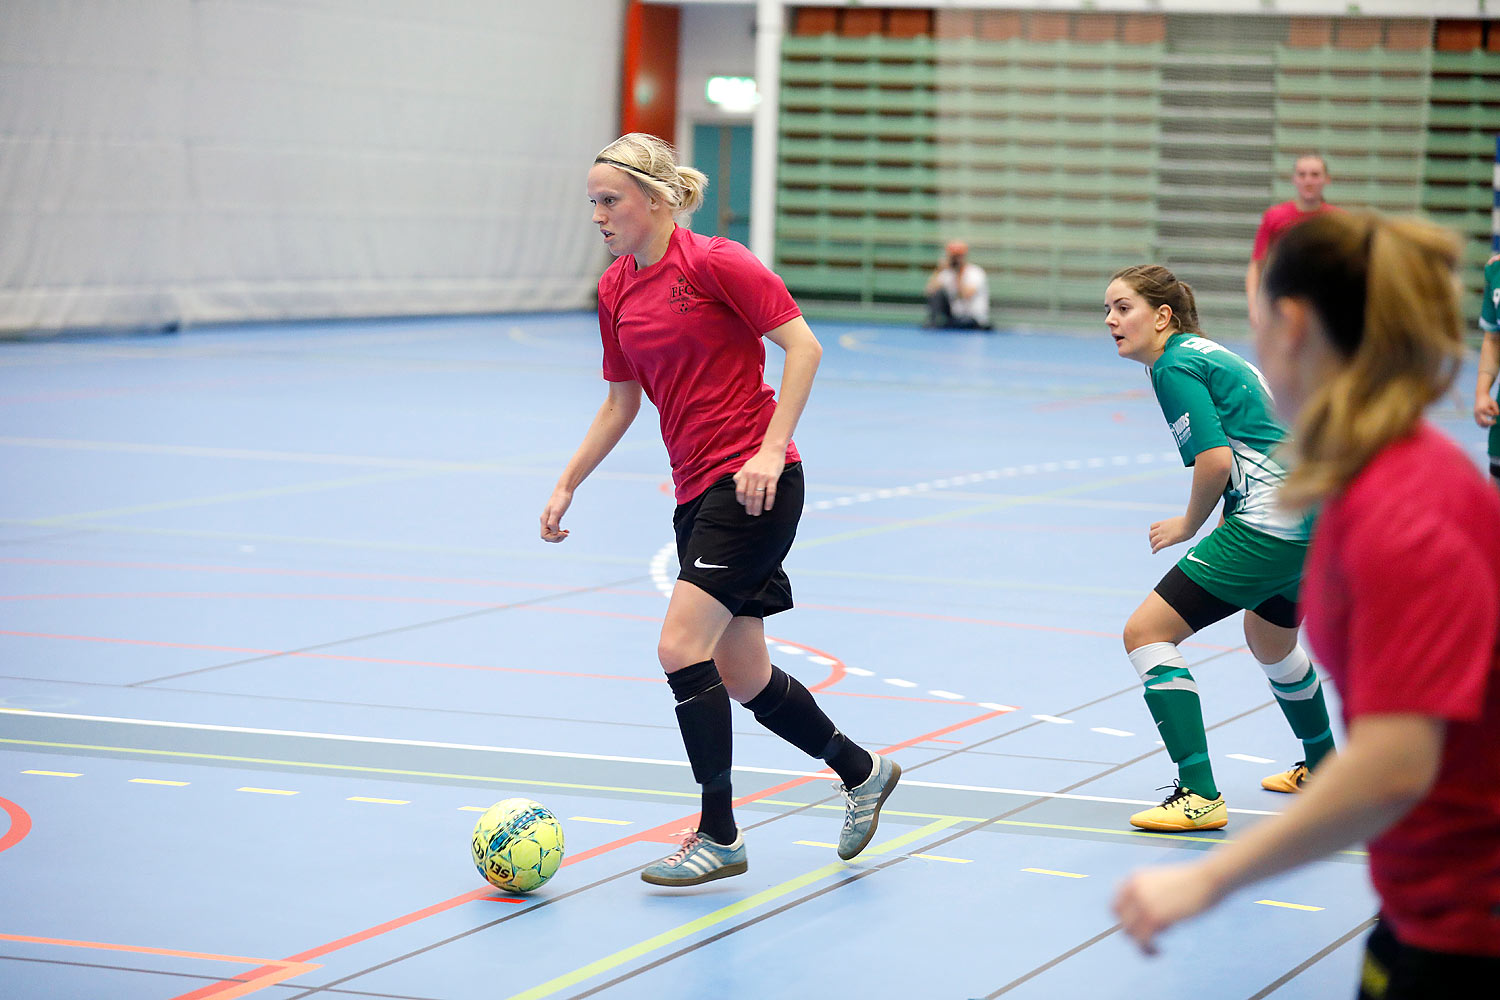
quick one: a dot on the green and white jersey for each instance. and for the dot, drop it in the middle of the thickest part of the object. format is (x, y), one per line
(1489, 309)
(1214, 398)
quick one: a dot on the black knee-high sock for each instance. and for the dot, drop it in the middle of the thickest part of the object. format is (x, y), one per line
(703, 716)
(788, 709)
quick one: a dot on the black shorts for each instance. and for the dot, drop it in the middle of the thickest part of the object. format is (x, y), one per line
(1397, 971)
(1200, 609)
(737, 558)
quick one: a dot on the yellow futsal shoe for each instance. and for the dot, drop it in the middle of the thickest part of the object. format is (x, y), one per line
(1184, 809)
(1291, 780)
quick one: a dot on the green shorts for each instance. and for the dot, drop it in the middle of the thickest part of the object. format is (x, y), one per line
(1495, 442)
(1245, 567)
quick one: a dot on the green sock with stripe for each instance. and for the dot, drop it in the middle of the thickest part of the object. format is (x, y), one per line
(1172, 698)
(1294, 682)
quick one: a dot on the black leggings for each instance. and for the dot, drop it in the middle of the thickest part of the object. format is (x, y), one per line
(1396, 971)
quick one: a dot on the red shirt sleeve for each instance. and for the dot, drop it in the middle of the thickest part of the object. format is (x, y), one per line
(1263, 236)
(736, 277)
(616, 368)
(1423, 617)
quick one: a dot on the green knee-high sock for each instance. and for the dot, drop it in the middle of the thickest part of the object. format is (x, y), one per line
(1172, 697)
(1298, 691)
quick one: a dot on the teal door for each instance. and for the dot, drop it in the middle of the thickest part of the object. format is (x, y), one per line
(723, 153)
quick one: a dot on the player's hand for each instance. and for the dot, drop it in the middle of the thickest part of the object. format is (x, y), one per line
(755, 483)
(557, 506)
(1486, 410)
(1153, 899)
(1169, 532)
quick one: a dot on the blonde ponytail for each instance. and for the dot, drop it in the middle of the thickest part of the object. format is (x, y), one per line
(652, 163)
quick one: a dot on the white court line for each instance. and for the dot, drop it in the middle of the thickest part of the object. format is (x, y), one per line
(1249, 759)
(905, 781)
(1031, 469)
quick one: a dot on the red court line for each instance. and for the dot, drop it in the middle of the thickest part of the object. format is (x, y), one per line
(656, 833)
(20, 824)
(271, 971)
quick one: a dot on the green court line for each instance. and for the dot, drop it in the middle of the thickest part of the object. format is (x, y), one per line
(986, 508)
(356, 768)
(717, 917)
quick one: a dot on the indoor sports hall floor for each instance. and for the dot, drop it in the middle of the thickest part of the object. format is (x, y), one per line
(276, 623)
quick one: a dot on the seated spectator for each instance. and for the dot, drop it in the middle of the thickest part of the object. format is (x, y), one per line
(958, 293)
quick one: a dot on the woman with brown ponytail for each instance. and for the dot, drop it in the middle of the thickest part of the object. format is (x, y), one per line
(1221, 416)
(1359, 331)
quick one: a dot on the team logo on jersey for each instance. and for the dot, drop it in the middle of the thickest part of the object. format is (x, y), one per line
(683, 297)
(1182, 429)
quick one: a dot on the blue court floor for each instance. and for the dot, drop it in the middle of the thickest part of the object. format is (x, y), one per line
(275, 624)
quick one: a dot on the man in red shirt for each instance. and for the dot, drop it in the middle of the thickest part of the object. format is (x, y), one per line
(1310, 176)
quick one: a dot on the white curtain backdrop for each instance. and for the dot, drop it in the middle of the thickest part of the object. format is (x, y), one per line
(188, 161)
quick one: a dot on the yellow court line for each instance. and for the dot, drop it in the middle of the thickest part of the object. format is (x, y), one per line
(157, 781)
(595, 819)
(57, 774)
(492, 780)
(718, 916)
(1289, 906)
(814, 843)
(381, 802)
(1133, 833)
(1049, 871)
(266, 791)
(939, 857)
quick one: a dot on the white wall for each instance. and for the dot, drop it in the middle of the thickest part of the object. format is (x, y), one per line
(716, 38)
(199, 160)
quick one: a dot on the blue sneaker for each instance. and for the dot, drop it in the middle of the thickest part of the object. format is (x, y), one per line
(862, 805)
(698, 860)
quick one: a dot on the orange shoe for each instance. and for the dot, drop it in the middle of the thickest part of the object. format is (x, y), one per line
(1184, 809)
(1291, 780)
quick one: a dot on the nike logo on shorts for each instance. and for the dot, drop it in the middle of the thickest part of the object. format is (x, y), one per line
(700, 564)
(1200, 562)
